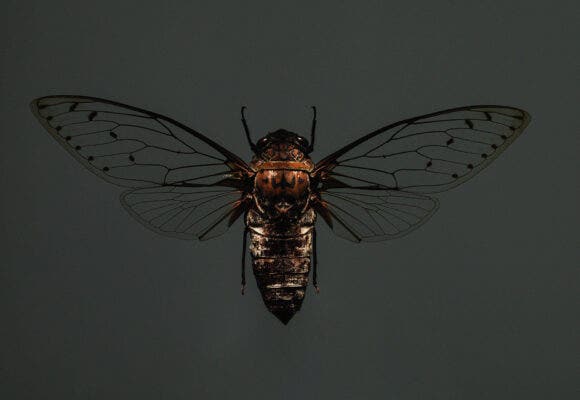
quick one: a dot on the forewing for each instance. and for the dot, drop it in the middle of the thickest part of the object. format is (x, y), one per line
(427, 154)
(131, 147)
(374, 215)
(372, 188)
(186, 185)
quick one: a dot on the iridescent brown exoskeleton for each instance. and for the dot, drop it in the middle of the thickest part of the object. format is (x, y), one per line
(281, 220)
(185, 185)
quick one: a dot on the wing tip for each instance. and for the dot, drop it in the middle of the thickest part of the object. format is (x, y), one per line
(527, 118)
(34, 107)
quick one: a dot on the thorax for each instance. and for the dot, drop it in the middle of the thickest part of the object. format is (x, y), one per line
(281, 189)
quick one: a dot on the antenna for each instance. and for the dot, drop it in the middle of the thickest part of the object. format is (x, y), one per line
(252, 145)
(313, 130)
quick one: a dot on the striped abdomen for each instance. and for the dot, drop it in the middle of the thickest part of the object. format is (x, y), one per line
(281, 261)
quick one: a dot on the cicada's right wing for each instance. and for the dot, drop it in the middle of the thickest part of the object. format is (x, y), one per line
(371, 215)
(374, 188)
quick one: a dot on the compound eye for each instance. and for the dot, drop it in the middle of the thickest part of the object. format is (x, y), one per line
(262, 142)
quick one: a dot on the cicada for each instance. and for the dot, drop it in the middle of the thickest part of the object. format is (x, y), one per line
(185, 185)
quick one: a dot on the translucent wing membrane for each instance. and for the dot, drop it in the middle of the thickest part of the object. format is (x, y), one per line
(426, 154)
(131, 147)
(182, 213)
(136, 148)
(373, 215)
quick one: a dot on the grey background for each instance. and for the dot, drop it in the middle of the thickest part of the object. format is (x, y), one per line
(480, 303)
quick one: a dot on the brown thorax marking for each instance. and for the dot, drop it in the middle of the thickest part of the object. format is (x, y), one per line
(305, 165)
(282, 192)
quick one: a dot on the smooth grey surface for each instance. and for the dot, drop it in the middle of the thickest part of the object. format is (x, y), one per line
(480, 303)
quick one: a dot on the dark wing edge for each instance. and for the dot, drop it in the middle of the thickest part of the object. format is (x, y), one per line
(184, 184)
(405, 160)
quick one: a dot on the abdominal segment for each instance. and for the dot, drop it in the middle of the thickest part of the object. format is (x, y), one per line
(281, 263)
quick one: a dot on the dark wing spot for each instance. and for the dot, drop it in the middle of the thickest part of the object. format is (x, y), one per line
(449, 141)
(105, 169)
(494, 146)
(73, 107)
(455, 176)
(429, 164)
(470, 166)
(113, 135)
(131, 157)
(513, 128)
(487, 115)
(49, 118)
(78, 147)
(92, 115)
(67, 138)
(484, 155)
(469, 123)
(91, 158)
(504, 137)
(58, 128)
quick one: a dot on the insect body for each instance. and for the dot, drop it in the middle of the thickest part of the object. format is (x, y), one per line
(281, 221)
(183, 184)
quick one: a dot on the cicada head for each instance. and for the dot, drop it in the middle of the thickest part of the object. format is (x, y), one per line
(282, 145)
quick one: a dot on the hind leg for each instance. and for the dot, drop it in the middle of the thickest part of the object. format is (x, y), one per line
(245, 246)
(314, 263)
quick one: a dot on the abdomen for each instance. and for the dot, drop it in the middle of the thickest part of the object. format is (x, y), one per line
(281, 262)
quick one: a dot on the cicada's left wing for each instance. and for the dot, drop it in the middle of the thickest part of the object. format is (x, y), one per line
(370, 185)
(183, 183)
(186, 212)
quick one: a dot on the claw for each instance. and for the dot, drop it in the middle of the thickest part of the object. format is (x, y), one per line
(243, 289)
(317, 289)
